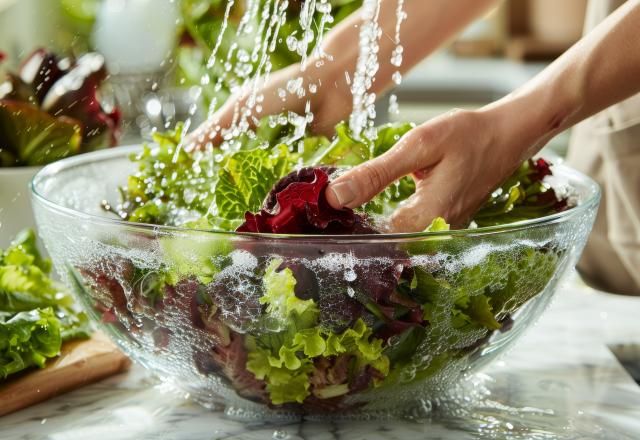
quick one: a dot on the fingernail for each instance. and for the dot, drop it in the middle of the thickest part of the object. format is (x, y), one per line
(344, 192)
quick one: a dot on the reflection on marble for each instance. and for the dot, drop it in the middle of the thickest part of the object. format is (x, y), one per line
(559, 382)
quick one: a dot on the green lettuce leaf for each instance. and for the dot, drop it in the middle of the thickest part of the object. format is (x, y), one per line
(28, 339)
(285, 359)
(438, 224)
(30, 136)
(197, 255)
(280, 298)
(171, 186)
(245, 179)
(36, 314)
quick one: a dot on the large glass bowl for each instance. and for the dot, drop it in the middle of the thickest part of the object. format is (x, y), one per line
(272, 325)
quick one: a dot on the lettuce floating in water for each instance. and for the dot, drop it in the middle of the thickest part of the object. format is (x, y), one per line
(288, 360)
(36, 315)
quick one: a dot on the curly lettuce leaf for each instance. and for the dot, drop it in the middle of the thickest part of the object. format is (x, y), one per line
(36, 315)
(194, 255)
(28, 339)
(282, 303)
(481, 295)
(171, 187)
(24, 280)
(285, 360)
(438, 224)
(245, 179)
(523, 196)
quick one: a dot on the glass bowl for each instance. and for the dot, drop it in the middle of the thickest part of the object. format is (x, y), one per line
(278, 326)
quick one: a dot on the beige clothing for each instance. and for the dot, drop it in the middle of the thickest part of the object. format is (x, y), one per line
(607, 147)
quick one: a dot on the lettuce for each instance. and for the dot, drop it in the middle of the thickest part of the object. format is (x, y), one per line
(524, 195)
(189, 256)
(438, 224)
(286, 359)
(171, 186)
(36, 315)
(49, 110)
(280, 297)
(245, 179)
(28, 339)
(306, 335)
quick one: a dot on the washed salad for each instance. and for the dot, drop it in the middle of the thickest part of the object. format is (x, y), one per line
(37, 314)
(311, 326)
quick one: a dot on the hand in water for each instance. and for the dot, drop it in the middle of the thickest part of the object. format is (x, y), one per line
(330, 104)
(454, 160)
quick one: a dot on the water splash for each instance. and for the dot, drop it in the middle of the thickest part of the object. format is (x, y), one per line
(361, 121)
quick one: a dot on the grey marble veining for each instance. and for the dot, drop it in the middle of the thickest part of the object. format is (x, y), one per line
(559, 382)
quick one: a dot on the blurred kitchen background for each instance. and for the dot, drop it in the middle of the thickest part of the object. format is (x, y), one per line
(156, 50)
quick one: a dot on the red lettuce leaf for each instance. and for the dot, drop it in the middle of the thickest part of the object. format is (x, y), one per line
(62, 92)
(40, 70)
(29, 136)
(297, 205)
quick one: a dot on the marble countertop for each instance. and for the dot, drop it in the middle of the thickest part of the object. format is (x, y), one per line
(561, 381)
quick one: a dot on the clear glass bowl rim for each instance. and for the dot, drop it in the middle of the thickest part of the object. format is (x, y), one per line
(49, 171)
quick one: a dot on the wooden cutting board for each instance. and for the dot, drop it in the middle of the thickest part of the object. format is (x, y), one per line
(80, 363)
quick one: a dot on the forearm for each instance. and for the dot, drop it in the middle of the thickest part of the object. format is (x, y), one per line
(600, 70)
(428, 24)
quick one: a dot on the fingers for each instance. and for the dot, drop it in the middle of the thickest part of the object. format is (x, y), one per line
(270, 89)
(447, 192)
(419, 210)
(360, 184)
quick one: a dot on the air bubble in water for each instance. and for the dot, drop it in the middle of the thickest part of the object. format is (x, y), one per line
(280, 434)
(350, 275)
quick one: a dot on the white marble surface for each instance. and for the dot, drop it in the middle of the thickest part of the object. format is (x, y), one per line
(560, 382)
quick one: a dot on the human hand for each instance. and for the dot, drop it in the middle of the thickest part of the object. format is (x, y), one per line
(326, 93)
(456, 161)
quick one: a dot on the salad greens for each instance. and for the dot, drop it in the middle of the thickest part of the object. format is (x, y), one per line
(214, 188)
(274, 357)
(36, 316)
(49, 110)
(311, 324)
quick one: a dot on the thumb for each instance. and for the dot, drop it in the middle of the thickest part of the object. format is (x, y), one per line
(360, 184)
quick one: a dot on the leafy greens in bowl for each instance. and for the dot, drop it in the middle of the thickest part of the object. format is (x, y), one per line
(303, 310)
